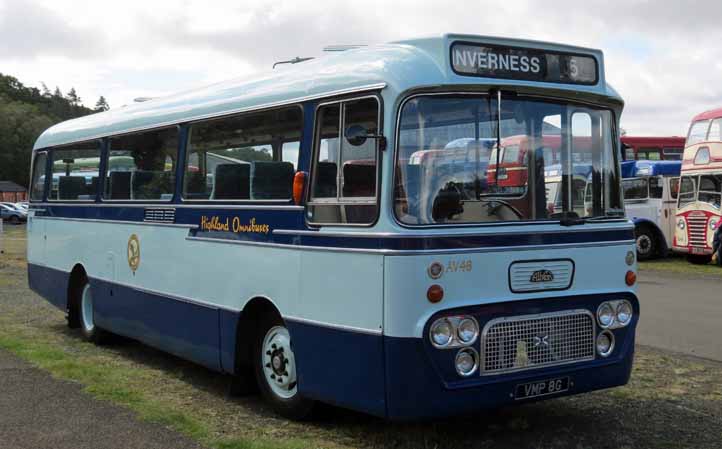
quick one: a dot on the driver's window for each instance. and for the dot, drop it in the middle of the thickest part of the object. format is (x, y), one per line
(344, 175)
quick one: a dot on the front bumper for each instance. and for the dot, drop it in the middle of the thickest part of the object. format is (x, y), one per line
(420, 384)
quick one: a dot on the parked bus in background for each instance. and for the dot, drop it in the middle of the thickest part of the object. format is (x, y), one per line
(652, 148)
(650, 200)
(700, 194)
(580, 181)
(325, 230)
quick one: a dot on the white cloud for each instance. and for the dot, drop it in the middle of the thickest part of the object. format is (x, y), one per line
(663, 58)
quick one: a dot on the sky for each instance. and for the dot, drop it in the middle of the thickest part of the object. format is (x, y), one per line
(664, 57)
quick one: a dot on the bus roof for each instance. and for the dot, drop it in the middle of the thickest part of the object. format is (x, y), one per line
(633, 169)
(394, 67)
(708, 115)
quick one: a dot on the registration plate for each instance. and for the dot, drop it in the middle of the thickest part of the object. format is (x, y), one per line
(697, 250)
(541, 388)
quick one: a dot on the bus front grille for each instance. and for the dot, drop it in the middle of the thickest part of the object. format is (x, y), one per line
(697, 230)
(535, 341)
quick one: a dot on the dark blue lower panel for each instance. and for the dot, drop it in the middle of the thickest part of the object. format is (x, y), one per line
(340, 367)
(190, 331)
(49, 283)
(416, 392)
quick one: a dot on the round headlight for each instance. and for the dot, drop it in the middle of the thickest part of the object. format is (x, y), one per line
(681, 224)
(442, 332)
(713, 224)
(605, 315)
(605, 343)
(466, 362)
(467, 331)
(624, 313)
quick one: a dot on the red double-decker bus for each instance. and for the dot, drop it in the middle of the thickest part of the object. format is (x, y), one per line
(652, 148)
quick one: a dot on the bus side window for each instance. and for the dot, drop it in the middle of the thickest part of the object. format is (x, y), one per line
(674, 187)
(656, 187)
(343, 184)
(244, 157)
(37, 189)
(715, 131)
(142, 166)
(75, 172)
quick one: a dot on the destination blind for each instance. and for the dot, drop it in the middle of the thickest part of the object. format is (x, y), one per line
(529, 64)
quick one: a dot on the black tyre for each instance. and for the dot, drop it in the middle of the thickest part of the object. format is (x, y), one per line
(647, 247)
(84, 311)
(14, 219)
(275, 368)
(699, 259)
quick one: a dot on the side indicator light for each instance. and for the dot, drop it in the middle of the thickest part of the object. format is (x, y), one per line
(435, 293)
(299, 184)
(630, 278)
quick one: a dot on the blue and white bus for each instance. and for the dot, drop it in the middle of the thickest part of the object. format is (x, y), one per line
(284, 229)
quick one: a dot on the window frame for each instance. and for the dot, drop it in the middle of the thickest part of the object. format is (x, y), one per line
(49, 170)
(44, 194)
(339, 201)
(187, 152)
(105, 161)
(637, 178)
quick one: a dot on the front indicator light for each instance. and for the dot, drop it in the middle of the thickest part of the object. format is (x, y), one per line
(605, 343)
(466, 362)
(435, 293)
(630, 278)
(442, 331)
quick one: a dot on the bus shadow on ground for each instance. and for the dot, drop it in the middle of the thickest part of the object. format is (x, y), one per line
(632, 416)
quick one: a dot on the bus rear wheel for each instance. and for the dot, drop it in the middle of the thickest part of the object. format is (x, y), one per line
(646, 243)
(275, 368)
(699, 259)
(86, 314)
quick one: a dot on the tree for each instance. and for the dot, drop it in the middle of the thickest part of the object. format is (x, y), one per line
(46, 91)
(57, 92)
(73, 97)
(101, 105)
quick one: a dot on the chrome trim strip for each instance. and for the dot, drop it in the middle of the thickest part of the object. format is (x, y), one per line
(333, 326)
(132, 223)
(182, 206)
(562, 313)
(408, 234)
(195, 118)
(393, 252)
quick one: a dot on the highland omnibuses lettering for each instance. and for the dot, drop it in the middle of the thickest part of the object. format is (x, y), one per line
(487, 59)
(234, 224)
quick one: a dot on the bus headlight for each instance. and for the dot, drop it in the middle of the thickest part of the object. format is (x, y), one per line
(605, 343)
(605, 315)
(466, 362)
(713, 224)
(681, 224)
(624, 313)
(467, 331)
(442, 332)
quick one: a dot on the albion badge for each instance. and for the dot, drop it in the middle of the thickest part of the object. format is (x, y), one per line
(133, 252)
(542, 276)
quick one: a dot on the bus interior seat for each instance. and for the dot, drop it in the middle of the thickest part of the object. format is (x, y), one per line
(196, 188)
(71, 187)
(231, 182)
(150, 185)
(271, 180)
(359, 180)
(325, 183)
(119, 185)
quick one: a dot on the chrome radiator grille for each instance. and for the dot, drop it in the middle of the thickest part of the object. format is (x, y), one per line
(697, 230)
(535, 341)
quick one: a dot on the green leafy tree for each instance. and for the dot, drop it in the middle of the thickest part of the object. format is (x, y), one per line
(101, 105)
(73, 97)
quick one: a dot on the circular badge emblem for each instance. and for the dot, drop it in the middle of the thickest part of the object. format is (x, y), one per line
(435, 270)
(133, 252)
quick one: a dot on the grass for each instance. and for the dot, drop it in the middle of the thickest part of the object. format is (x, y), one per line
(671, 401)
(679, 265)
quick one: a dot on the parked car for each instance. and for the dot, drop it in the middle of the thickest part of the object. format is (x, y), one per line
(12, 215)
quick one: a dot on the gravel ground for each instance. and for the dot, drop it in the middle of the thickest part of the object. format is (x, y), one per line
(672, 401)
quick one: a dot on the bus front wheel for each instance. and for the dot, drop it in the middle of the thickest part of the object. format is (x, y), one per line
(275, 367)
(646, 243)
(699, 259)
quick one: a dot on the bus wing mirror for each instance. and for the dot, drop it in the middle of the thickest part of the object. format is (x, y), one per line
(357, 135)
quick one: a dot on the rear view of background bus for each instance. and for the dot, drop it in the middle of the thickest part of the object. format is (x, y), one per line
(698, 207)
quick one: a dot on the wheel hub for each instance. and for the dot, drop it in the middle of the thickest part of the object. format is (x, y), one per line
(279, 366)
